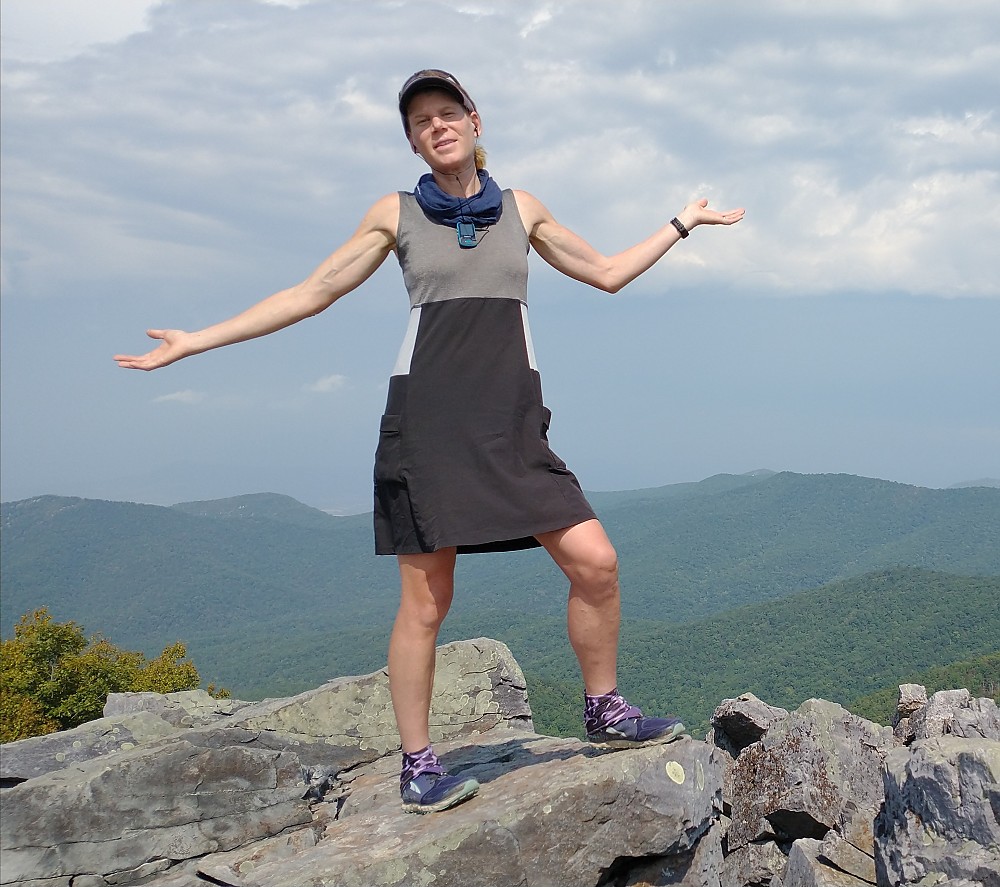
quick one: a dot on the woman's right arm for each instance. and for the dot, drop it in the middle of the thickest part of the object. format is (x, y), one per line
(342, 271)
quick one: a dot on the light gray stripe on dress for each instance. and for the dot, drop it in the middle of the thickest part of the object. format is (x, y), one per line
(527, 338)
(402, 367)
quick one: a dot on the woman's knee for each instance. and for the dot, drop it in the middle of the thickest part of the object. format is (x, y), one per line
(600, 568)
(587, 557)
(593, 573)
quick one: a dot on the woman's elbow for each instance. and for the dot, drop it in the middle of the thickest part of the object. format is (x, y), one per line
(610, 282)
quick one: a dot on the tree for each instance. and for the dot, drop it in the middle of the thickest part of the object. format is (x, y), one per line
(53, 678)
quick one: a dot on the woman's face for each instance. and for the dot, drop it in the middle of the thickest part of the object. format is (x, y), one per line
(442, 132)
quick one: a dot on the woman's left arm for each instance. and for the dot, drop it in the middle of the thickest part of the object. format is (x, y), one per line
(571, 254)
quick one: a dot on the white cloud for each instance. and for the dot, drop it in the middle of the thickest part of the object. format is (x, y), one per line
(210, 138)
(328, 384)
(538, 20)
(48, 30)
(187, 396)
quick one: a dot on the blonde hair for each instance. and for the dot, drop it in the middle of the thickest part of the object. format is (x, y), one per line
(480, 157)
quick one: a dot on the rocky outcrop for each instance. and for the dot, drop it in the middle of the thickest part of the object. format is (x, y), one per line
(551, 812)
(797, 780)
(942, 796)
(116, 809)
(824, 797)
(172, 799)
(182, 790)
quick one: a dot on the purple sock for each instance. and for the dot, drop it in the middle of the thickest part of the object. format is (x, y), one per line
(423, 761)
(607, 709)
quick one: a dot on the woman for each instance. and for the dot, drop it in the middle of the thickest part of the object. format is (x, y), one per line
(463, 464)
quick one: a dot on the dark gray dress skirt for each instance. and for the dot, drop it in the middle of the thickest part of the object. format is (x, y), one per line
(463, 458)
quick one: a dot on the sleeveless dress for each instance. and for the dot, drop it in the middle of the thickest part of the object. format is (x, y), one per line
(463, 459)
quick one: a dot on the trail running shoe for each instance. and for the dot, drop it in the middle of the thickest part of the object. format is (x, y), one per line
(433, 792)
(611, 722)
(637, 732)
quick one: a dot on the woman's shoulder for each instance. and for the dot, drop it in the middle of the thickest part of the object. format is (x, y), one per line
(384, 213)
(531, 209)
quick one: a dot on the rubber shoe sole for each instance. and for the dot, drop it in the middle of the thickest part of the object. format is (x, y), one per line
(467, 790)
(602, 740)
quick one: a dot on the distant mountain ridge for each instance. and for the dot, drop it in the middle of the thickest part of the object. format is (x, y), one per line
(982, 482)
(272, 595)
(260, 506)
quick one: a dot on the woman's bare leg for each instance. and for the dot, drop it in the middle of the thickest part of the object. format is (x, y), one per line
(427, 585)
(587, 557)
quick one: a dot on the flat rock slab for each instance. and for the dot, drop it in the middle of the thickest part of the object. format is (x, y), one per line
(550, 813)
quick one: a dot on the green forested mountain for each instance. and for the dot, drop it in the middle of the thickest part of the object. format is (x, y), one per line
(272, 597)
(791, 532)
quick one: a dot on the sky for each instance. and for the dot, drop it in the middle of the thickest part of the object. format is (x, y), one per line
(167, 164)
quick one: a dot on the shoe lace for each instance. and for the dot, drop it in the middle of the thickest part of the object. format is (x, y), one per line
(606, 710)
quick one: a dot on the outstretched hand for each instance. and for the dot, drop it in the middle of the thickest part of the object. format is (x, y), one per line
(698, 213)
(173, 346)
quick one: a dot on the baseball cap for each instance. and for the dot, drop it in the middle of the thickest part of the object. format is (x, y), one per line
(432, 78)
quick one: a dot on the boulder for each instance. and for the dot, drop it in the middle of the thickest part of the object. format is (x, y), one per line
(550, 812)
(742, 721)
(856, 826)
(956, 713)
(753, 865)
(911, 698)
(840, 853)
(737, 724)
(699, 867)
(940, 818)
(798, 781)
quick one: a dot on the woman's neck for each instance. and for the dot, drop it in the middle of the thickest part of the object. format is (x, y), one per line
(462, 184)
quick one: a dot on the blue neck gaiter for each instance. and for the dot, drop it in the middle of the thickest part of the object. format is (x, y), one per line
(482, 209)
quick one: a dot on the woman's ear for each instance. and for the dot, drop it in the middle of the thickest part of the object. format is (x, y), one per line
(477, 124)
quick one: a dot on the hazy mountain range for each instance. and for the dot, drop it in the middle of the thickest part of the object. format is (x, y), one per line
(272, 596)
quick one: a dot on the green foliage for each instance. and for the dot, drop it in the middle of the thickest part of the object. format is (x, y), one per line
(556, 706)
(980, 676)
(52, 678)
